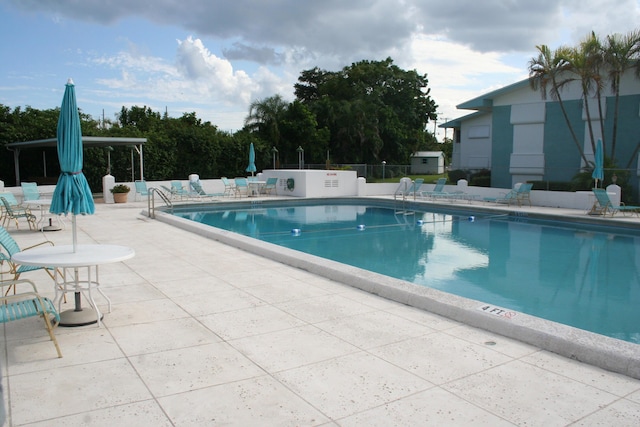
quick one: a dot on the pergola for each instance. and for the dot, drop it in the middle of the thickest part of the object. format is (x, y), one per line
(87, 141)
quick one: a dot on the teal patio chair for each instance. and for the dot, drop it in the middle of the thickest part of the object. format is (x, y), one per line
(229, 187)
(603, 205)
(9, 247)
(178, 190)
(523, 194)
(241, 187)
(30, 191)
(28, 303)
(14, 213)
(141, 188)
(270, 186)
(13, 202)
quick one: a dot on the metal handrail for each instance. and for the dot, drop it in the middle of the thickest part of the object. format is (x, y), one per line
(151, 201)
(400, 191)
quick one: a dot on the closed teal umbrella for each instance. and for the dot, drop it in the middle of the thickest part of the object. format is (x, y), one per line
(252, 160)
(598, 167)
(72, 194)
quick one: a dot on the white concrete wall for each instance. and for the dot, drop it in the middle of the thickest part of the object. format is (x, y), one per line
(314, 183)
(327, 183)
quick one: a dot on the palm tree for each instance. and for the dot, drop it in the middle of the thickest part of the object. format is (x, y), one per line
(621, 54)
(548, 71)
(265, 115)
(585, 61)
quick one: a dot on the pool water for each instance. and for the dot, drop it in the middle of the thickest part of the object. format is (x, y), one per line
(579, 276)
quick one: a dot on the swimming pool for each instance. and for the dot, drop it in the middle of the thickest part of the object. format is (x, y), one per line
(578, 275)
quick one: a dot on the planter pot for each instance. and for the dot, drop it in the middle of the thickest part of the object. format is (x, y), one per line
(120, 197)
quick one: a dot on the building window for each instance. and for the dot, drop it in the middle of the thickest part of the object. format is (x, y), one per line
(425, 161)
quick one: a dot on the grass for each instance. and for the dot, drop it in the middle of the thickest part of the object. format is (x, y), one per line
(428, 179)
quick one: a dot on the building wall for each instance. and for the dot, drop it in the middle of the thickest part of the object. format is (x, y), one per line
(474, 150)
(525, 145)
(427, 165)
(502, 147)
(526, 162)
(561, 153)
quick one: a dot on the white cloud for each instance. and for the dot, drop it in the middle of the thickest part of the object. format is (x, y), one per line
(457, 73)
(247, 50)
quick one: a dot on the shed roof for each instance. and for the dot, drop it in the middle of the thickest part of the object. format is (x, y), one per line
(428, 154)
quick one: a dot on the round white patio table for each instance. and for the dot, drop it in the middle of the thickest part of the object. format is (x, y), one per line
(42, 203)
(255, 187)
(79, 274)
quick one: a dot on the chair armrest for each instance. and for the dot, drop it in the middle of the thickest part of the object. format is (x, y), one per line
(19, 282)
(49, 242)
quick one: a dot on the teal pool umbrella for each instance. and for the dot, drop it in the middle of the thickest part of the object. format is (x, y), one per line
(252, 160)
(598, 167)
(72, 194)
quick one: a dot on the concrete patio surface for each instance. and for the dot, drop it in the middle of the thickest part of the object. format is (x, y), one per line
(204, 334)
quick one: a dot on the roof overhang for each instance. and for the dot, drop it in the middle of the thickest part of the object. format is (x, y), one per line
(87, 141)
(485, 102)
(456, 123)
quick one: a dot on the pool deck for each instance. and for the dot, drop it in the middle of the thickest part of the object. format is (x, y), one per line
(202, 333)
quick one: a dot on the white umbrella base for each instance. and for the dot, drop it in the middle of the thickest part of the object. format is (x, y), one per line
(86, 316)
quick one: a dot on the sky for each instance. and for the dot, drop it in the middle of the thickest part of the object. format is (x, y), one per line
(215, 57)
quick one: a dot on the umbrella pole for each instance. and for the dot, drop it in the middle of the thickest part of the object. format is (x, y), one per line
(75, 236)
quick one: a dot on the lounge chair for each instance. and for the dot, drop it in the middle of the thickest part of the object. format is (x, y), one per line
(603, 205)
(520, 192)
(141, 188)
(270, 186)
(241, 187)
(167, 191)
(408, 191)
(229, 187)
(198, 191)
(438, 191)
(28, 303)
(178, 190)
(523, 194)
(10, 212)
(30, 191)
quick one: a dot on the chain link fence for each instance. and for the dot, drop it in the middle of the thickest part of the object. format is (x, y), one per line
(363, 170)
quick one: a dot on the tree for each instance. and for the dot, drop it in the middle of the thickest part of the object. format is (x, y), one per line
(372, 109)
(265, 116)
(585, 61)
(621, 53)
(547, 73)
(300, 128)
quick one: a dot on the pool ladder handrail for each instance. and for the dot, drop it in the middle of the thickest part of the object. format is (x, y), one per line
(151, 201)
(403, 191)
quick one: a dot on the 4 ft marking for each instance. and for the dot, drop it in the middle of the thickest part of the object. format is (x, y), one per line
(497, 311)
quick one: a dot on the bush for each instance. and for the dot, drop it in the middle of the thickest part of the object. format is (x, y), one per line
(456, 175)
(482, 178)
(481, 181)
(120, 188)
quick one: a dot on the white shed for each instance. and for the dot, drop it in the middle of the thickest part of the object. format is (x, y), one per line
(427, 162)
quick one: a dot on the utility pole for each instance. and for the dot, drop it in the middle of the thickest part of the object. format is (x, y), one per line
(435, 125)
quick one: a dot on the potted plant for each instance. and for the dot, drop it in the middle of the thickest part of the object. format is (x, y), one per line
(120, 192)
